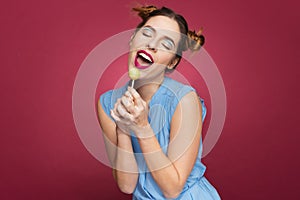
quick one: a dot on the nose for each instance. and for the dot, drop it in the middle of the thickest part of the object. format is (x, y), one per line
(152, 48)
(152, 45)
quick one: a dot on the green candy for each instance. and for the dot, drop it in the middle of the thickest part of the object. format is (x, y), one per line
(134, 73)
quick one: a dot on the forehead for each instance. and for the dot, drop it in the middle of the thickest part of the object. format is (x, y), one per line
(165, 25)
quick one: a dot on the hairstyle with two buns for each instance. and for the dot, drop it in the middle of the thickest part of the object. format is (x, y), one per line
(190, 39)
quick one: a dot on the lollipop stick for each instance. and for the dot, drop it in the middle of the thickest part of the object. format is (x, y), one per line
(132, 83)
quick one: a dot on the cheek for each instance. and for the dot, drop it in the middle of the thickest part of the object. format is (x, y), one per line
(165, 57)
(137, 42)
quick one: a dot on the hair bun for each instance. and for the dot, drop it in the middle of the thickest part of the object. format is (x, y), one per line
(144, 11)
(195, 40)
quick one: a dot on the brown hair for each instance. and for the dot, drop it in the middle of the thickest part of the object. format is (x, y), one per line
(189, 40)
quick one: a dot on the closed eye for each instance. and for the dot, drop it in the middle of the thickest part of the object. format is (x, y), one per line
(147, 32)
(167, 44)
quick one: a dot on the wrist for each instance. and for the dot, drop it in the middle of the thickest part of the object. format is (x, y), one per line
(143, 132)
(122, 134)
(124, 141)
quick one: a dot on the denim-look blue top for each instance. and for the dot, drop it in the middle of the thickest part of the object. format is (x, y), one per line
(161, 109)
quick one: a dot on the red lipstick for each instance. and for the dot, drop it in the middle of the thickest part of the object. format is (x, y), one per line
(143, 59)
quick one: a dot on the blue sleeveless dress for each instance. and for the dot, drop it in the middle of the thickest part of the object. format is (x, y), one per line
(161, 109)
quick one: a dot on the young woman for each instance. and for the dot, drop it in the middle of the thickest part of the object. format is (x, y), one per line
(153, 130)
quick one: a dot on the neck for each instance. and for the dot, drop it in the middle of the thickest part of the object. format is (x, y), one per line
(147, 89)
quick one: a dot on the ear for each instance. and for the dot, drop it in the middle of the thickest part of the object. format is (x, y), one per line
(173, 63)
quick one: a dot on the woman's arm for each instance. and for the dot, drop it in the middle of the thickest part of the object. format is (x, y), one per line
(172, 170)
(126, 172)
(120, 153)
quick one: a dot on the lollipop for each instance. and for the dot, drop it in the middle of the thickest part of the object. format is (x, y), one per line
(134, 73)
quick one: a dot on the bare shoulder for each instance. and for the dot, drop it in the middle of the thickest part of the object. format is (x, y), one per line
(190, 99)
(187, 115)
(190, 103)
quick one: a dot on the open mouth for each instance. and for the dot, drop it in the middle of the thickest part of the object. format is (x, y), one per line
(143, 59)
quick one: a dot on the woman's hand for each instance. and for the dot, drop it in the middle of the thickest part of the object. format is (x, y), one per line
(131, 112)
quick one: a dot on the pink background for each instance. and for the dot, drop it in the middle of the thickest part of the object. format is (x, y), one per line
(43, 44)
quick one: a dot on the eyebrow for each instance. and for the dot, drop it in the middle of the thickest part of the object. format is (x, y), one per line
(167, 37)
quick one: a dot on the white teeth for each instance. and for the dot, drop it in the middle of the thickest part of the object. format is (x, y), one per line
(145, 57)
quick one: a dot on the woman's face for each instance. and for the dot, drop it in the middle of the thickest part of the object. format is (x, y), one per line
(153, 47)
